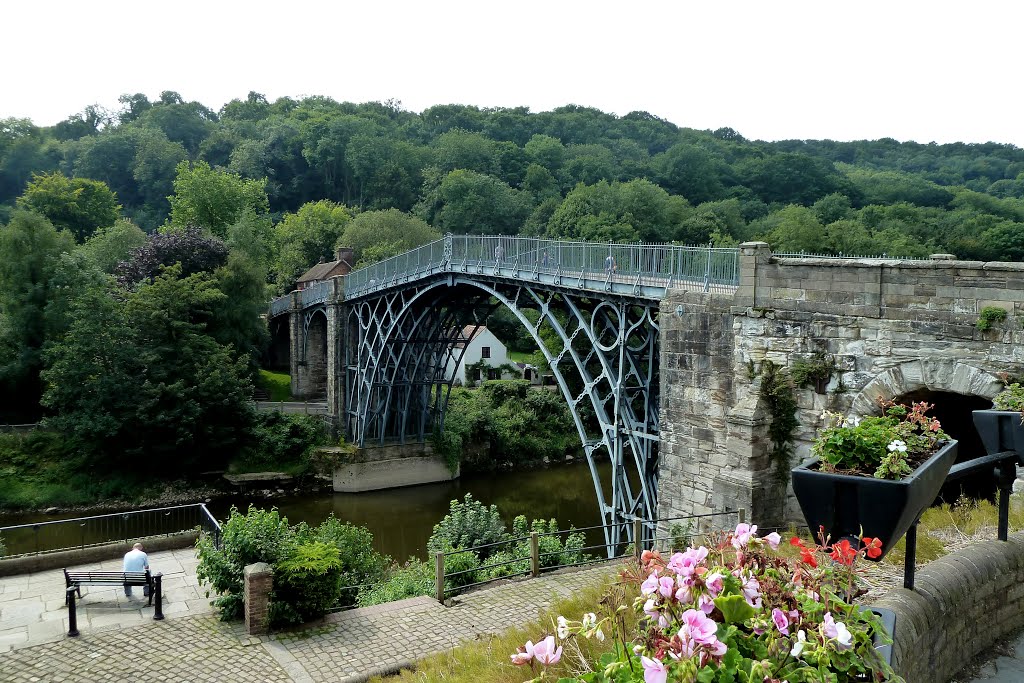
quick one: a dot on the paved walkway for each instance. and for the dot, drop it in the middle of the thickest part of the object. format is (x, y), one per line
(120, 641)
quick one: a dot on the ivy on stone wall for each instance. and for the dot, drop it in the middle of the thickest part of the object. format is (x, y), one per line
(777, 394)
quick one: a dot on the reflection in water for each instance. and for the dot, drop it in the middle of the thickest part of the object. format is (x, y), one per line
(401, 520)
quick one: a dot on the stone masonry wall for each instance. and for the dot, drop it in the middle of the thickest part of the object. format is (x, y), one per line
(960, 606)
(892, 327)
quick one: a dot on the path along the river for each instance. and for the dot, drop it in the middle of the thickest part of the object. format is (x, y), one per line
(120, 641)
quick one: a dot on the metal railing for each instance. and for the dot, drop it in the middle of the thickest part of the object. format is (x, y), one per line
(526, 559)
(280, 305)
(85, 532)
(649, 269)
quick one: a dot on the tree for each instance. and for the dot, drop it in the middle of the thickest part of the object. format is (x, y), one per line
(791, 178)
(78, 205)
(108, 247)
(29, 249)
(463, 149)
(190, 249)
(467, 202)
(188, 397)
(307, 236)
(213, 199)
(690, 171)
(637, 210)
(398, 232)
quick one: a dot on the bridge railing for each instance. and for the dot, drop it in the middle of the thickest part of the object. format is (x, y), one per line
(424, 260)
(85, 532)
(280, 305)
(316, 293)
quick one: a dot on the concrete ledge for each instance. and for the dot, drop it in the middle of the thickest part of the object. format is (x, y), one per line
(69, 558)
(356, 477)
(962, 604)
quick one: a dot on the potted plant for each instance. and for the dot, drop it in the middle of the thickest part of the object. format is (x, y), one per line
(739, 610)
(1001, 428)
(874, 476)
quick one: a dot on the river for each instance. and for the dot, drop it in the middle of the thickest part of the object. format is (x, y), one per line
(401, 520)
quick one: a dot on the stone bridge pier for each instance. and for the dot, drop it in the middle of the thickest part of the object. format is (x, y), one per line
(895, 329)
(314, 339)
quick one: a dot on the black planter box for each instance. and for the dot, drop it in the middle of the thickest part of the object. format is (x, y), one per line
(849, 506)
(1000, 430)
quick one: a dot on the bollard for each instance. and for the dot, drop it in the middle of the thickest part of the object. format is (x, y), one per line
(534, 554)
(439, 576)
(72, 613)
(158, 596)
(741, 514)
(638, 539)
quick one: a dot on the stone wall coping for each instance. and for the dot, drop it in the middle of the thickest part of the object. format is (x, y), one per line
(934, 264)
(257, 568)
(972, 597)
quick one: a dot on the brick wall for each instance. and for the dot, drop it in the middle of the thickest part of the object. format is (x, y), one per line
(259, 581)
(961, 604)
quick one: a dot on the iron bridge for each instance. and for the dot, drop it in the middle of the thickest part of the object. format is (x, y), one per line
(591, 308)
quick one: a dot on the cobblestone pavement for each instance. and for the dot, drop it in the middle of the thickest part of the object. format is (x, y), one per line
(194, 646)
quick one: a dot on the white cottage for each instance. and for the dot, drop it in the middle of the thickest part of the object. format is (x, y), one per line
(481, 346)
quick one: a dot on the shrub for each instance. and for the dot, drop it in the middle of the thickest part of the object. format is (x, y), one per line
(469, 523)
(278, 440)
(455, 565)
(414, 579)
(989, 316)
(1011, 398)
(361, 565)
(257, 536)
(307, 583)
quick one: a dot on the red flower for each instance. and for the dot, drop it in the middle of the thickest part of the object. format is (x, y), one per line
(873, 546)
(843, 552)
(808, 557)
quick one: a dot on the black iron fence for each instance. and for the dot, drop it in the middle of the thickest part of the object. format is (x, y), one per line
(532, 554)
(86, 532)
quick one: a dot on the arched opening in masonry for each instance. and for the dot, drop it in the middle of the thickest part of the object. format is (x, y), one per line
(315, 355)
(278, 354)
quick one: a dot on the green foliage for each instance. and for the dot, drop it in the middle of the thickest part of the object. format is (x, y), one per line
(878, 445)
(1010, 398)
(213, 199)
(108, 247)
(257, 536)
(398, 231)
(818, 368)
(777, 393)
(277, 384)
(307, 583)
(362, 567)
(78, 205)
(305, 237)
(988, 316)
(278, 441)
(413, 579)
(468, 523)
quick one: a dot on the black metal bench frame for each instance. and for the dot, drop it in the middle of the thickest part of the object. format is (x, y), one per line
(76, 579)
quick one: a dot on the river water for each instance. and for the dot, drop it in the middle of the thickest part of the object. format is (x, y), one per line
(401, 520)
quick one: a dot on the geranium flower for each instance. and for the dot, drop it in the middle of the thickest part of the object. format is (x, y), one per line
(798, 646)
(741, 537)
(698, 627)
(684, 564)
(563, 628)
(873, 546)
(667, 586)
(546, 653)
(773, 540)
(843, 552)
(898, 445)
(714, 583)
(524, 655)
(781, 621)
(654, 670)
(651, 585)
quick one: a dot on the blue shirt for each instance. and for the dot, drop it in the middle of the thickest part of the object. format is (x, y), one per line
(136, 561)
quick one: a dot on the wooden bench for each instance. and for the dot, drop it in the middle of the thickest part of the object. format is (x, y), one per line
(76, 579)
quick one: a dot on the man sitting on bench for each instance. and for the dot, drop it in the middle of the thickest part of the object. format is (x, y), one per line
(135, 560)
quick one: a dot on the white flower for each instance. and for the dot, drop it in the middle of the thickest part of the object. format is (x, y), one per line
(563, 628)
(589, 619)
(898, 445)
(853, 421)
(844, 636)
(798, 646)
(599, 634)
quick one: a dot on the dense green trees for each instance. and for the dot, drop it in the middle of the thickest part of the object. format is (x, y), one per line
(78, 205)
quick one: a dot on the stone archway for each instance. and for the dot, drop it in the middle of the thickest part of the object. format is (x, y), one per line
(947, 375)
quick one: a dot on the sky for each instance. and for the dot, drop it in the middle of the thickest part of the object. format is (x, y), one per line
(933, 71)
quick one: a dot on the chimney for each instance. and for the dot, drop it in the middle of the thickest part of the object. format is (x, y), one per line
(346, 256)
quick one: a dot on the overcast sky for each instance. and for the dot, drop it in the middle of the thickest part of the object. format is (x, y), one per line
(926, 71)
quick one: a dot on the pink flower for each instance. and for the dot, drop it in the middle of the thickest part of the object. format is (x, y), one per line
(741, 537)
(654, 670)
(781, 621)
(773, 540)
(706, 604)
(651, 608)
(684, 564)
(751, 589)
(667, 586)
(684, 594)
(828, 626)
(836, 630)
(651, 585)
(714, 583)
(698, 627)
(524, 655)
(545, 651)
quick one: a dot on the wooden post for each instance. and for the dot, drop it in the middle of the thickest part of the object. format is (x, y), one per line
(534, 554)
(439, 576)
(741, 514)
(638, 538)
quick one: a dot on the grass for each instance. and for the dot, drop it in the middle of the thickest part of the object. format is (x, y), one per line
(519, 357)
(487, 659)
(277, 384)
